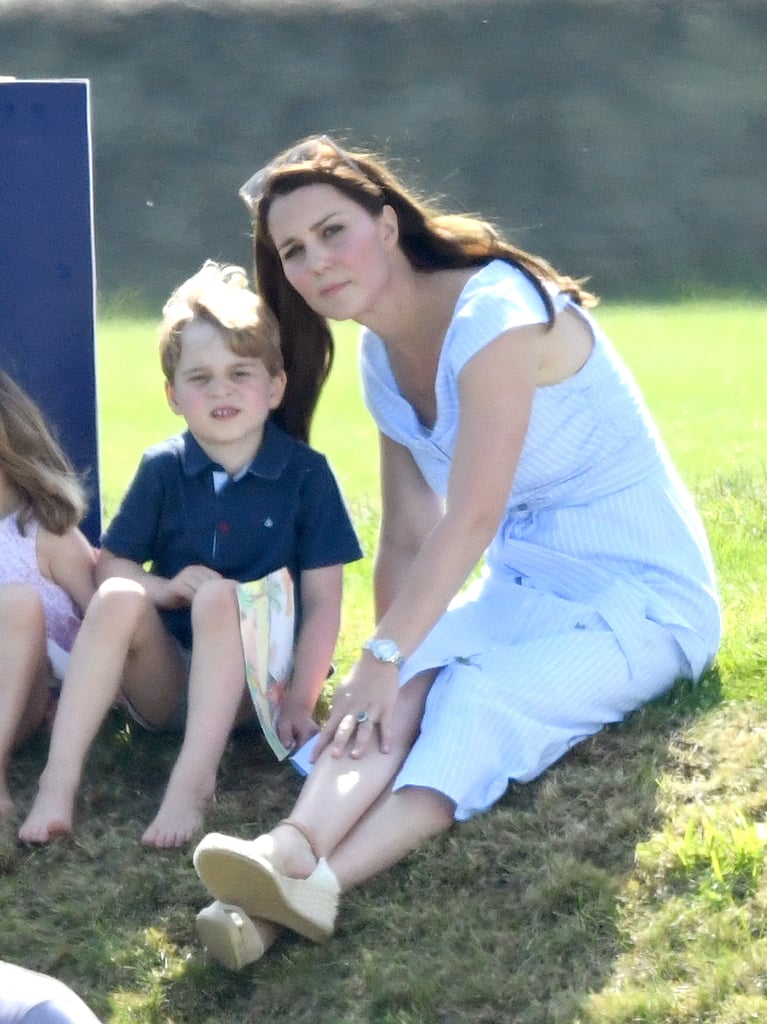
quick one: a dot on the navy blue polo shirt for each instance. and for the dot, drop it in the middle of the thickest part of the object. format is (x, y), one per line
(285, 510)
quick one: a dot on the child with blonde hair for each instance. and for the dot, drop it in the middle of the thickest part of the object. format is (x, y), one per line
(46, 569)
(230, 500)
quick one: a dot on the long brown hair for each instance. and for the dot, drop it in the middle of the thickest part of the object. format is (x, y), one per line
(35, 465)
(430, 239)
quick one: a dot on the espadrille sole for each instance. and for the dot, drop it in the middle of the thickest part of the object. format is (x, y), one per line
(229, 935)
(234, 872)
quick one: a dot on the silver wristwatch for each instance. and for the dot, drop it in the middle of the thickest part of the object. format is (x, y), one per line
(385, 651)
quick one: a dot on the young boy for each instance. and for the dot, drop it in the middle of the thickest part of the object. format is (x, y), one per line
(231, 499)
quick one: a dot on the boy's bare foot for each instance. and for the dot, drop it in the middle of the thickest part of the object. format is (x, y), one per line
(180, 819)
(50, 818)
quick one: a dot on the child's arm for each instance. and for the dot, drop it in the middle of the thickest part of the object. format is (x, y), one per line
(321, 591)
(68, 559)
(163, 593)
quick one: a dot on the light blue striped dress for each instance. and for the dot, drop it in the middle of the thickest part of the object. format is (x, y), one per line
(598, 590)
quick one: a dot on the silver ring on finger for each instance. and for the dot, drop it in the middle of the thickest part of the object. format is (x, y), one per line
(362, 716)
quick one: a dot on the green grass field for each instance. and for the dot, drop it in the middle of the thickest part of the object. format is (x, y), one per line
(627, 885)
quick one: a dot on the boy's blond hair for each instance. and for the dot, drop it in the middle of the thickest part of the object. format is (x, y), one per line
(219, 294)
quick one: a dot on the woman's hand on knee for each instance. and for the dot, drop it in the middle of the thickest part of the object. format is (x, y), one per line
(362, 710)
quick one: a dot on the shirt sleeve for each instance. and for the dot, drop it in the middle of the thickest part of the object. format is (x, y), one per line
(326, 535)
(133, 531)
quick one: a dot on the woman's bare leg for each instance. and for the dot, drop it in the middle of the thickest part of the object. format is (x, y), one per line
(122, 638)
(346, 813)
(397, 824)
(339, 792)
(217, 699)
(24, 681)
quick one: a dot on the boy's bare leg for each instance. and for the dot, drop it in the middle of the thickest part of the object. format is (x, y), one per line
(217, 699)
(122, 639)
(24, 681)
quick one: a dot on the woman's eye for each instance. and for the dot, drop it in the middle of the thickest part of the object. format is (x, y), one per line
(331, 229)
(290, 252)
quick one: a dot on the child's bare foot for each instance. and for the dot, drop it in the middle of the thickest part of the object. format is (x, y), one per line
(180, 819)
(50, 818)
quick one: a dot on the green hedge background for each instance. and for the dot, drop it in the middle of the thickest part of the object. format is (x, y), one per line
(626, 141)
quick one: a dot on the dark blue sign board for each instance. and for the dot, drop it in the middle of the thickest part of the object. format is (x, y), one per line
(47, 288)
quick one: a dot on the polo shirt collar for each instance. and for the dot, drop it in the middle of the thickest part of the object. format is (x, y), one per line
(269, 463)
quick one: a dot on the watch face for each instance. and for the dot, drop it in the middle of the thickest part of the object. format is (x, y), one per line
(384, 650)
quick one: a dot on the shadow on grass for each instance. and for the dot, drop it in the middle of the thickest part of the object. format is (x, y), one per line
(511, 917)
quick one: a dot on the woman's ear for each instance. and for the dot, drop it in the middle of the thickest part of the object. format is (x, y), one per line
(389, 225)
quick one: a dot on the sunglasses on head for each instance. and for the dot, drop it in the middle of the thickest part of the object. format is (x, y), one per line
(305, 152)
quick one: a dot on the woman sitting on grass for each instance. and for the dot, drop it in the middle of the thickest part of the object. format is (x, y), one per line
(509, 430)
